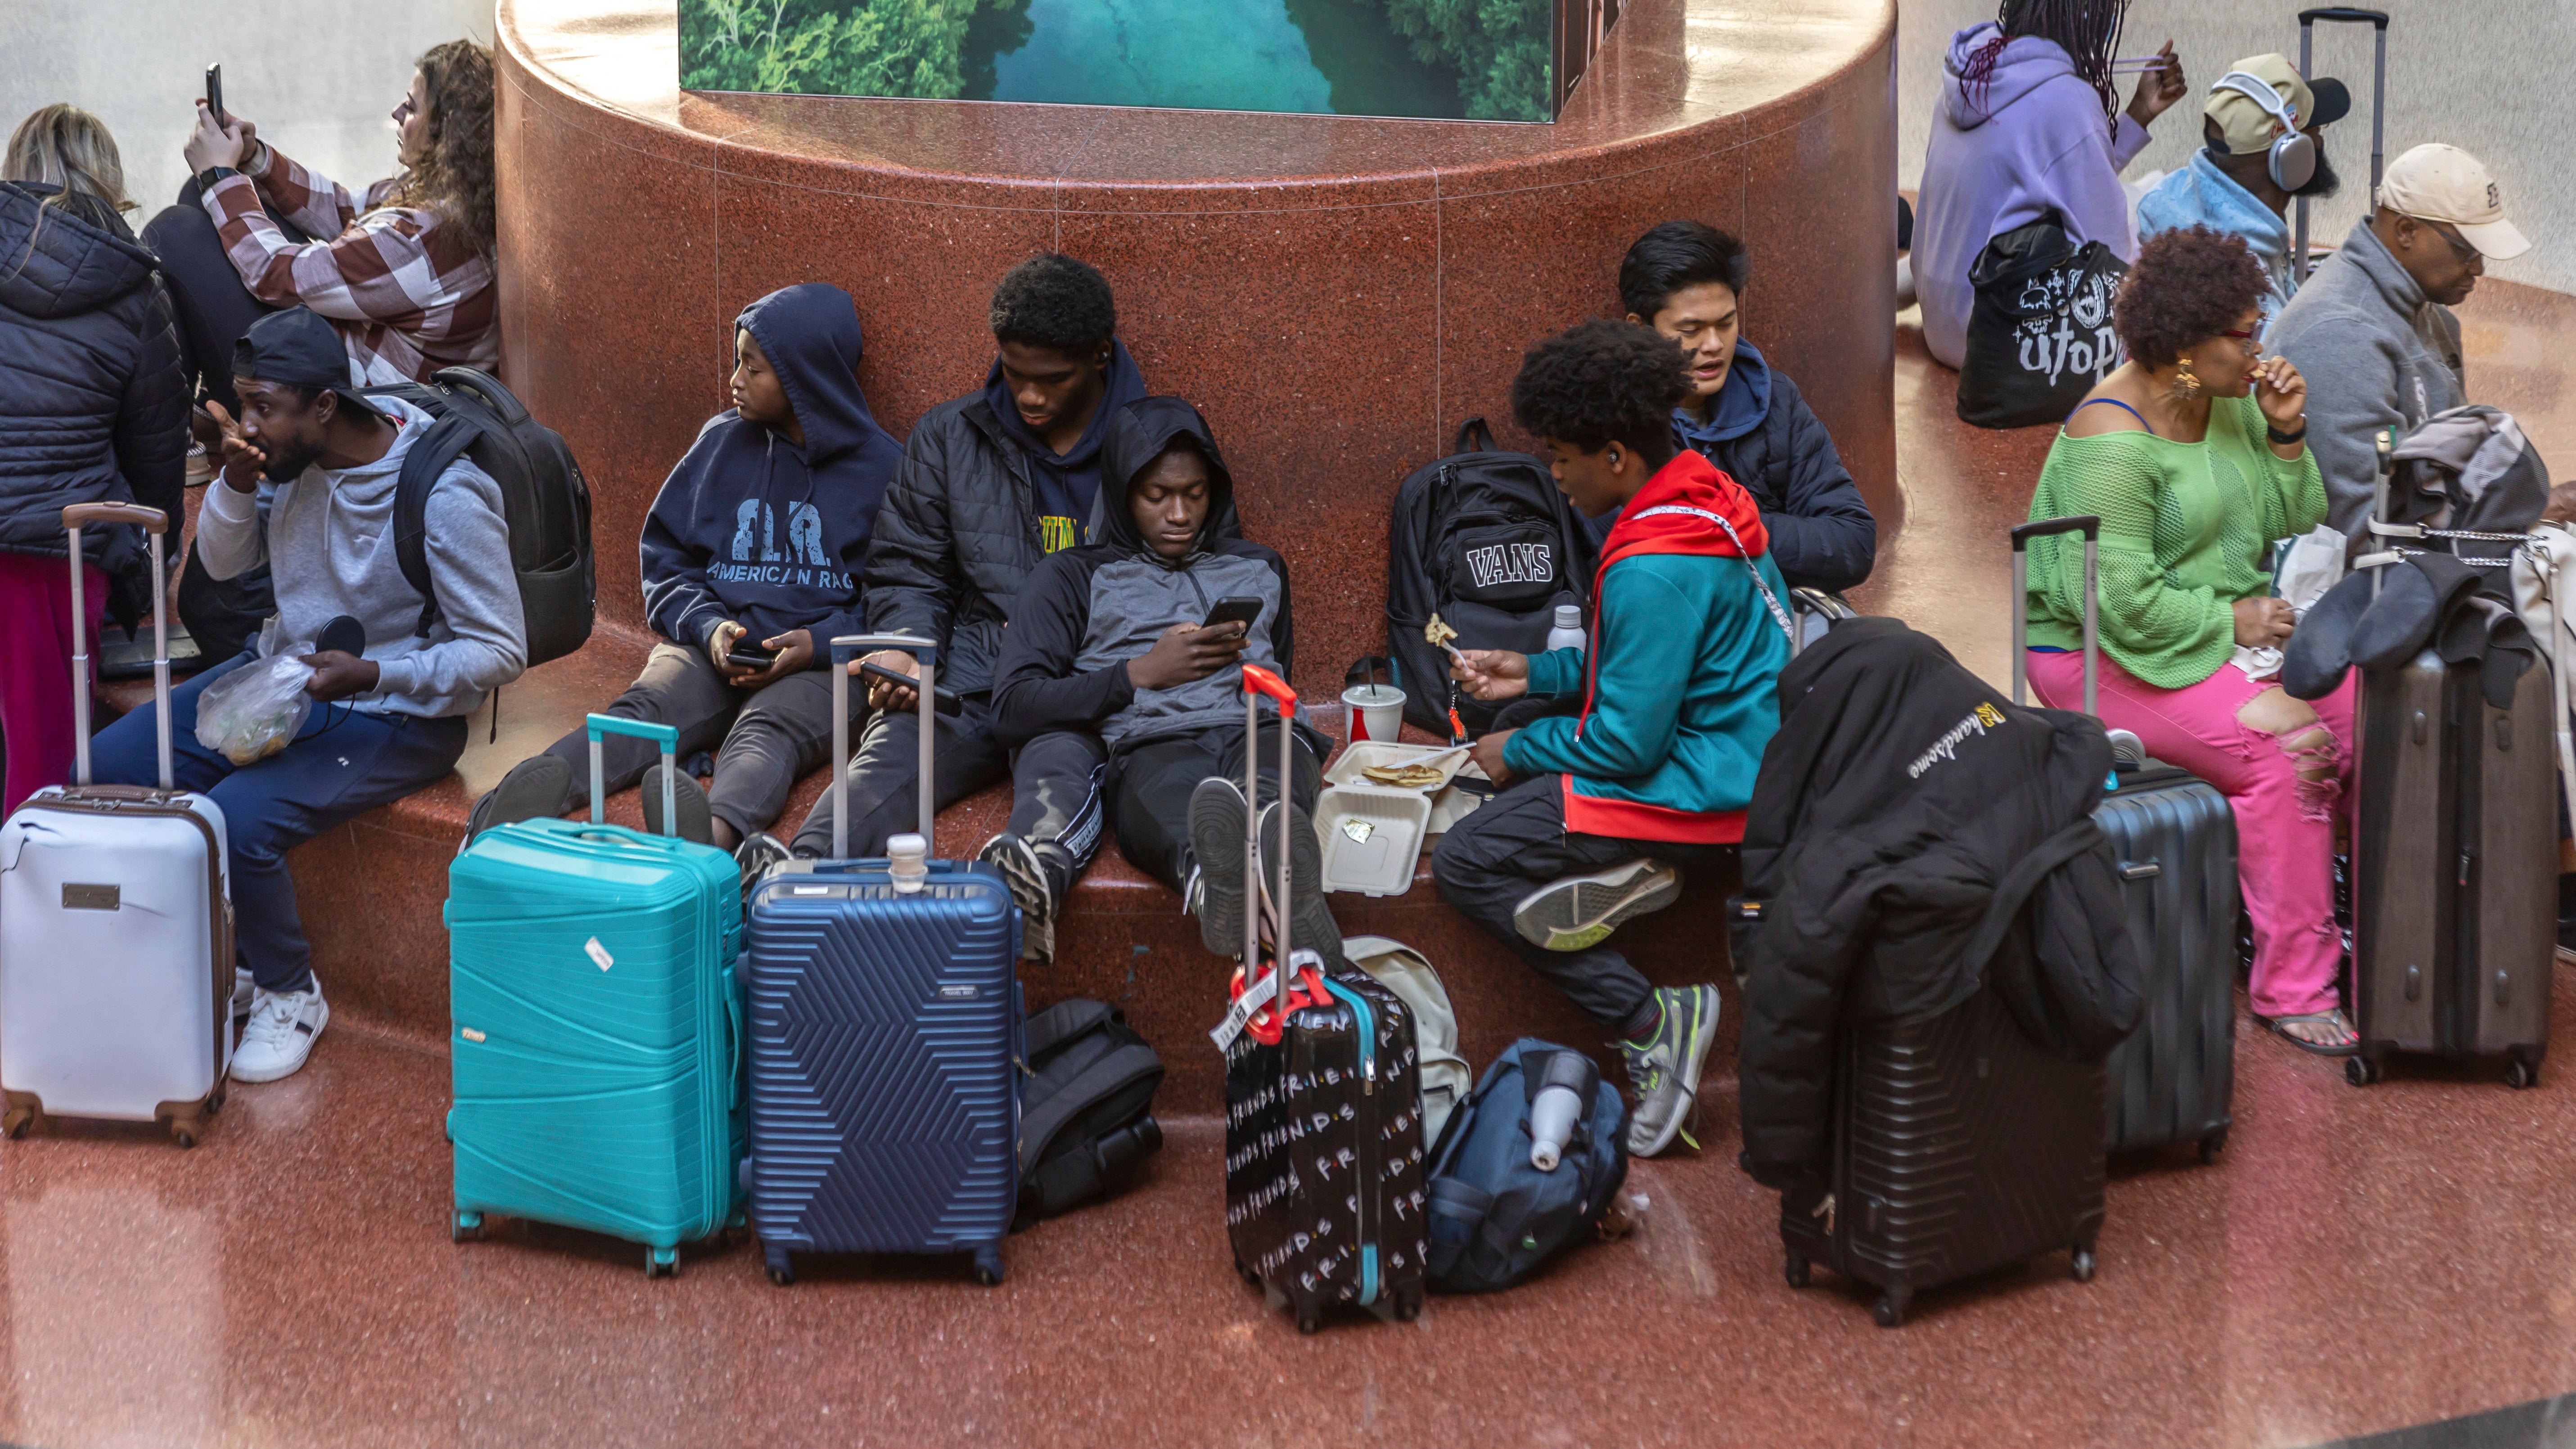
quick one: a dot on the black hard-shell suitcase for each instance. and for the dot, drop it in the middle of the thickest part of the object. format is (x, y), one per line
(1959, 1145)
(1324, 1171)
(2174, 1079)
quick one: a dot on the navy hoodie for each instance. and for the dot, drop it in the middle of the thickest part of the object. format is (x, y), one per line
(1068, 486)
(752, 528)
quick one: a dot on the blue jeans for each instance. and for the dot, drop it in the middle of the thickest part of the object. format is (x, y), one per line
(341, 765)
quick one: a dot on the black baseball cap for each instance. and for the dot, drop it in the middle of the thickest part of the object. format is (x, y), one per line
(298, 348)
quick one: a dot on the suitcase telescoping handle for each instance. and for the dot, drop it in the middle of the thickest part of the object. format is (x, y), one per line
(2090, 525)
(2377, 20)
(156, 523)
(600, 726)
(846, 647)
(1257, 682)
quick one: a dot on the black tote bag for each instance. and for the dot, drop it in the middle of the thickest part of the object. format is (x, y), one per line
(2040, 334)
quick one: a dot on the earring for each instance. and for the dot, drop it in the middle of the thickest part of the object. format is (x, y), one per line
(2186, 385)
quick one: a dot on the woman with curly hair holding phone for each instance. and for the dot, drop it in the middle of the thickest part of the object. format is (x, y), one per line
(2194, 453)
(405, 272)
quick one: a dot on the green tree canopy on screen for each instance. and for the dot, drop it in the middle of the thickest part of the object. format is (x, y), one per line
(825, 47)
(1500, 49)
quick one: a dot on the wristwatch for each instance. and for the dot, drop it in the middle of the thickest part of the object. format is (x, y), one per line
(2282, 438)
(207, 178)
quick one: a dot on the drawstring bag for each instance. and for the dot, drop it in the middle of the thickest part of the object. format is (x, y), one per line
(2039, 336)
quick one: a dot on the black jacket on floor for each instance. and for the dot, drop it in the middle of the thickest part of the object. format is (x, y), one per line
(1912, 834)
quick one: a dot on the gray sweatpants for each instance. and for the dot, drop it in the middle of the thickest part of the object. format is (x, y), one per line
(762, 739)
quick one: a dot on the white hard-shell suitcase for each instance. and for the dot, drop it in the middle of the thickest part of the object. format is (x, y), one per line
(116, 924)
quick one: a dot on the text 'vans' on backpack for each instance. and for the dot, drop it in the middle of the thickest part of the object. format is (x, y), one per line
(1483, 539)
(543, 499)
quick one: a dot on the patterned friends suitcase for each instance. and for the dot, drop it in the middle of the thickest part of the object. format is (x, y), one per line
(597, 1026)
(1324, 1172)
(885, 1037)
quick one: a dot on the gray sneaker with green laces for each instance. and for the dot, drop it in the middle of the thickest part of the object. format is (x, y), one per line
(1664, 1068)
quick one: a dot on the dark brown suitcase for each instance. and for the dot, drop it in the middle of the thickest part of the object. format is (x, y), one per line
(1959, 1146)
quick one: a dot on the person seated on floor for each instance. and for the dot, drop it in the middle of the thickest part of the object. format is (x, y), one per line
(405, 273)
(2028, 127)
(1686, 281)
(1600, 809)
(2194, 454)
(751, 560)
(1111, 641)
(990, 484)
(307, 486)
(2229, 184)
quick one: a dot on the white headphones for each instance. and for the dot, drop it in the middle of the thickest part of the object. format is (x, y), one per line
(2292, 159)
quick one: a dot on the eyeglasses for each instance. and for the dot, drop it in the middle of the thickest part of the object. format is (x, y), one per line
(2244, 340)
(2463, 251)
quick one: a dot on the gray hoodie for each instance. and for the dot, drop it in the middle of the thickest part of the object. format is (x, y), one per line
(329, 543)
(2376, 354)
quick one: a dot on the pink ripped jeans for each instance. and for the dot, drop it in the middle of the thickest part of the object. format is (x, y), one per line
(2284, 825)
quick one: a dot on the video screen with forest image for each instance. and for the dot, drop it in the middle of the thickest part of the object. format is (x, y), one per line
(1495, 60)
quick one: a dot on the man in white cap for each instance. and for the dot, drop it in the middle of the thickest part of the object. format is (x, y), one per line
(2236, 182)
(2372, 330)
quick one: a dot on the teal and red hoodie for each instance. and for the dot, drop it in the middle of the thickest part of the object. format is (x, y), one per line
(1679, 672)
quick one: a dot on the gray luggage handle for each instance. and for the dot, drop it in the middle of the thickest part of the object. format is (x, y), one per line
(2090, 525)
(847, 647)
(157, 524)
(1257, 682)
(2377, 20)
(599, 727)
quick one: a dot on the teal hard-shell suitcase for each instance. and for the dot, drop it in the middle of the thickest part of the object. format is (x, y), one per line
(597, 1028)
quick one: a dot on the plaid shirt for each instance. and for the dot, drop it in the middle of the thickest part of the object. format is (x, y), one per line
(409, 295)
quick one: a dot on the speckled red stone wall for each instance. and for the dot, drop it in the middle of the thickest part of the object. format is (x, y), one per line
(1336, 293)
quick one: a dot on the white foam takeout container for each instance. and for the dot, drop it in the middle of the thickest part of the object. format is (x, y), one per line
(1390, 825)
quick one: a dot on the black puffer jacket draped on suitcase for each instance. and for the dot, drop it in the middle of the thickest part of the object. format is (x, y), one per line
(92, 407)
(1911, 834)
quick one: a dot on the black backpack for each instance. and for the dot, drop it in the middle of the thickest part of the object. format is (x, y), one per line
(1483, 539)
(1086, 1100)
(1492, 1216)
(543, 499)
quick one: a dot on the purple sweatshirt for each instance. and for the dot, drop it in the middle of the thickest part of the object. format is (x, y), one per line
(2034, 143)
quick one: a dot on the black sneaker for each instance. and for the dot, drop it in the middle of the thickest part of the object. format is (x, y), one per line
(697, 823)
(1215, 896)
(1031, 891)
(758, 855)
(536, 788)
(1310, 922)
(1664, 1068)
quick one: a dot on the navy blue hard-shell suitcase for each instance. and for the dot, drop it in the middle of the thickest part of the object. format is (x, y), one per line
(885, 1036)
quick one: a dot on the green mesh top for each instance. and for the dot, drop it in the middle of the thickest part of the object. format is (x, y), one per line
(2184, 531)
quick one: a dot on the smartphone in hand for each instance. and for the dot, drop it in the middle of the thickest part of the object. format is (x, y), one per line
(1239, 609)
(215, 96)
(751, 656)
(940, 699)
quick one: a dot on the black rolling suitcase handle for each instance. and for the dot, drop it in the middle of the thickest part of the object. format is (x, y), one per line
(2090, 525)
(845, 648)
(2377, 20)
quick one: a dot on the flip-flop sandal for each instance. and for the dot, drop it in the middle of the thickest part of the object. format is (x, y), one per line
(2314, 1018)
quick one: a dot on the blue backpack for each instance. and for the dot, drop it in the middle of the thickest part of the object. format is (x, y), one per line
(1494, 1217)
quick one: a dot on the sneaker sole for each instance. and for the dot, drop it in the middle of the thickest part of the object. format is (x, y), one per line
(1216, 843)
(522, 795)
(1580, 912)
(1311, 925)
(310, 1042)
(697, 823)
(1694, 1052)
(1027, 879)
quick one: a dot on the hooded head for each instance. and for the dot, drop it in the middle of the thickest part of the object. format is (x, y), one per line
(1167, 509)
(809, 335)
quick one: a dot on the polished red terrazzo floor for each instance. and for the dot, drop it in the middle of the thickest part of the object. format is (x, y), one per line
(2358, 1261)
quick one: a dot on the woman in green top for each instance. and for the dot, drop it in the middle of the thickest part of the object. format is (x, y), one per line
(2194, 453)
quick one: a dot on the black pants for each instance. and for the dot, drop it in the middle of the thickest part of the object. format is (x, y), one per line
(1515, 843)
(1150, 791)
(1055, 786)
(762, 739)
(214, 308)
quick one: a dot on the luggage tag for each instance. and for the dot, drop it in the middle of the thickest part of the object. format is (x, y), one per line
(1239, 1015)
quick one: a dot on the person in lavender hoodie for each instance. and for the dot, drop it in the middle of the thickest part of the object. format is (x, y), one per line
(2028, 126)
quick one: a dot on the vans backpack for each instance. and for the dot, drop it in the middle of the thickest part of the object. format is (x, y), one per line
(1483, 539)
(1086, 1106)
(544, 501)
(1493, 1216)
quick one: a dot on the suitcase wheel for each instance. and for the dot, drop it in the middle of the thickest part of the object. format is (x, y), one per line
(988, 1265)
(781, 1272)
(1891, 1307)
(1795, 1270)
(661, 1262)
(2521, 1072)
(1246, 1274)
(2083, 1263)
(184, 1130)
(2361, 1071)
(1408, 1305)
(1310, 1322)
(17, 1121)
(2212, 1143)
(465, 1228)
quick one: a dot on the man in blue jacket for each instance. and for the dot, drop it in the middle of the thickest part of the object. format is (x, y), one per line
(751, 563)
(2228, 185)
(1686, 281)
(1676, 682)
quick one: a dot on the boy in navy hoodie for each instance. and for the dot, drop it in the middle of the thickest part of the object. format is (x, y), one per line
(751, 563)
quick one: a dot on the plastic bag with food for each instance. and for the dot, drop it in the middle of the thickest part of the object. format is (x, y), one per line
(251, 713)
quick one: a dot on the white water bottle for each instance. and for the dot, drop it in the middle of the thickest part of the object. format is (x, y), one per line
(908, 862)
(1552, 1113)
(1568, 633)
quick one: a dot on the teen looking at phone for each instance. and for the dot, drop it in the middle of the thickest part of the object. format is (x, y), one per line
(1136, 641)
(751, 564)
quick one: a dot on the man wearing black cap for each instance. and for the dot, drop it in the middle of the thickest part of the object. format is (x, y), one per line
(2243, 177)
(309, 476)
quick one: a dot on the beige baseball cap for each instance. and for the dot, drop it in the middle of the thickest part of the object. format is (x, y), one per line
(2445, 183)
(2248, 126)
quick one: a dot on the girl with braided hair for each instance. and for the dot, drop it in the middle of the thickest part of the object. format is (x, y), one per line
(2029, 126)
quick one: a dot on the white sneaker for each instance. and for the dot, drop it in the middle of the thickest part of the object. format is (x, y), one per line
(280, 1035)
(243, 991)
